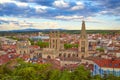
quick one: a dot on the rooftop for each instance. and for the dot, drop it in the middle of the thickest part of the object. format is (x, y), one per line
(108, 63)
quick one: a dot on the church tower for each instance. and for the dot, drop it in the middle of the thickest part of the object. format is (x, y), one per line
(83, 42)
(54, 41)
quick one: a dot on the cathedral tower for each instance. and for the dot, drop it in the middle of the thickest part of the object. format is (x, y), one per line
(54, 41)
(83, 42)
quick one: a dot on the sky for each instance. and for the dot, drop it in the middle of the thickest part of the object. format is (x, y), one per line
(59, 14)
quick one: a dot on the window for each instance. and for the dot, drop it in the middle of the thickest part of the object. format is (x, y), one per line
(64, 55)
(73, 55)
(82, 49)
(60, 55)
(83, 42)
(69, 55)
(77, 55)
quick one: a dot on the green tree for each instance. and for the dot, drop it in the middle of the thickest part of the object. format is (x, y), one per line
(67, 46)
(42, 44)
(100, 49)
(96, 77)
(31, 41)
(80, 73)
(65, 75)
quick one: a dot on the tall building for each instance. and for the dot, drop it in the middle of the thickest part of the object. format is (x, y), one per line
(83, 42)
(54, 46)
(55, 49)
(54, 41)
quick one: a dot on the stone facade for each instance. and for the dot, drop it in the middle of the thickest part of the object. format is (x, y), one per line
(83, 43)
(23, 47)
(55, 49)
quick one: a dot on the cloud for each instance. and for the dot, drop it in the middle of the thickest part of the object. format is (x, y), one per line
(109, 7)
(55, 9)
(9, 26)
(78, 6)
(61, 4)
(79, 18)
(74, 17)
(41, 2)
(92, 20)
(4, 1)
(8, 20)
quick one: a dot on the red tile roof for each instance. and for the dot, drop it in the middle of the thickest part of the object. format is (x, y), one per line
(7, 57)
(108, 63)
(35, 47)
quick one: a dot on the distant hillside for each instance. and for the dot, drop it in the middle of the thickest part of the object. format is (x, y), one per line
(30, 30)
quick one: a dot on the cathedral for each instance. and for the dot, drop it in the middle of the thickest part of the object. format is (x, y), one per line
(56, 47)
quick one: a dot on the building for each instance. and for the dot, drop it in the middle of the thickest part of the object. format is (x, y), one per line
(104, 67)
(23, 47)
(56, 48)
(83, 43)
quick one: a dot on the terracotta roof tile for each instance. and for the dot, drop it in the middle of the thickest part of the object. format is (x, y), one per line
(108, 63)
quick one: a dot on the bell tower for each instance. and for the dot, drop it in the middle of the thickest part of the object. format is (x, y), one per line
(54, 41)
(83, 42)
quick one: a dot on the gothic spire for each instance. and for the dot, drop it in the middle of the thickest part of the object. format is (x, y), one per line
(83, 30)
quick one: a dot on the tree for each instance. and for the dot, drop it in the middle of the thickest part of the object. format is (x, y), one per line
(100, 49)
(53, 74)
(29, 71)
(42, 44)
(80, 73)
(31, 41)
(96, 77)
(65, 75)
(67, 46)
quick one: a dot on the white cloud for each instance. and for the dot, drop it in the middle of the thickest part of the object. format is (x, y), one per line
(79, 18)
(46, 25)
(79, 6)
(9, 26)
(40, 9)
(102, 12)
(74, 17)
(61, 4)
(4, 1)
(8, 19)
(21, 3)
(92, 19)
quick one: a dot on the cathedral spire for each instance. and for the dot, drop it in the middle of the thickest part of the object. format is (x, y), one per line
(83, 42)
(83, 30)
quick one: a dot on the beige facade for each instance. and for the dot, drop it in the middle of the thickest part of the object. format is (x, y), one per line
(23, 47)
(54, 41)
(55, 49)
(83, 42)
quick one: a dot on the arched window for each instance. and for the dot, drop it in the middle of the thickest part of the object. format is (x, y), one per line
(69, 55)
(49, 57)
(24, 52)
(77, 55)
(64, 55)
(82, 56)
(73, 55)
(60, 55)
(20, 52)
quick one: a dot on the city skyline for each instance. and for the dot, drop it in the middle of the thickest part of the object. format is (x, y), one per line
(59, 14)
